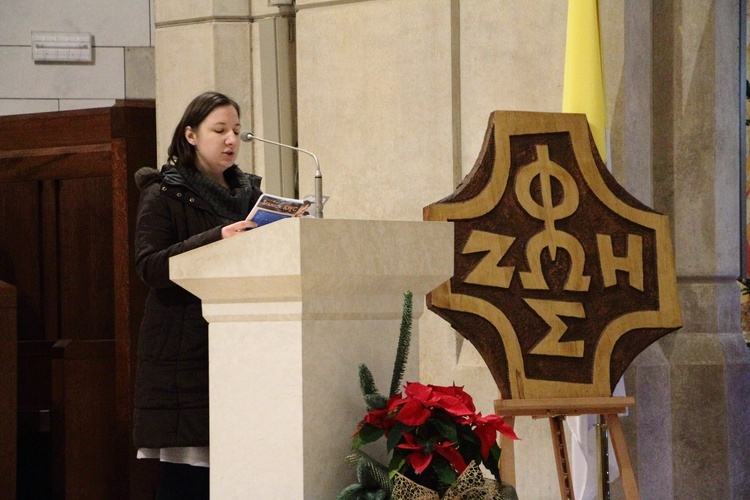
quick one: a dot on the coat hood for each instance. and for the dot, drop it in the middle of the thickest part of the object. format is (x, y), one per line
(146, 176)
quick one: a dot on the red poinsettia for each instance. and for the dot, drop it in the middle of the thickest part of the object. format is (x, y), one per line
(433, 432)
(421, 400)
(420, 458)
(488, 427)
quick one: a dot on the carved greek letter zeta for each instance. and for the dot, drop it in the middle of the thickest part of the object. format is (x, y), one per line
(487, 272)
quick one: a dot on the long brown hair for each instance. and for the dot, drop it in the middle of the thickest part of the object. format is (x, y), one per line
(180, 150)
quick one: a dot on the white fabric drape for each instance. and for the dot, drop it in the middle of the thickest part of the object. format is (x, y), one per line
(584, 456)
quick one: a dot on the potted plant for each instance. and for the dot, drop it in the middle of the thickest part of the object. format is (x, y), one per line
(435, 438)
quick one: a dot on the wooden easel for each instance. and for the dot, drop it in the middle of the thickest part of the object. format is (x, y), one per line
(556, 409)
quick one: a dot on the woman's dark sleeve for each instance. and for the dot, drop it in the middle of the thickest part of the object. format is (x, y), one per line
(156, 239)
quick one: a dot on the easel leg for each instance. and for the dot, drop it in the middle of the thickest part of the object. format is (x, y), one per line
(602, 437)
(623, 459)
(561, 457)
(508, 457)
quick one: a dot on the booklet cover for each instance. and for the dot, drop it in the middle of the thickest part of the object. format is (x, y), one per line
(270, 208)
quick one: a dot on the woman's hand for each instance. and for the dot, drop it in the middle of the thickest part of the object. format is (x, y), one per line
(237, 228)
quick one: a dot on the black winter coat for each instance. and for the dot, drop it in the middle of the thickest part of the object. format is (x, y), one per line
(171, 388)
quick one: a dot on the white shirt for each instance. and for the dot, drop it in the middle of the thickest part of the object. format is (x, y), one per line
(191, 455)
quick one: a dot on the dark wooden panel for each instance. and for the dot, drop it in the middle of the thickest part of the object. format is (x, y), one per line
(130, 292)
(7, 297)
(67, 211)
(20, 253)
(130, 296)
(49, 264)
(134, 120)
(55, 163)
(86, 260)
(53, 130)
(8, 386)
(34, 404)
(82, 419)
(34, 375)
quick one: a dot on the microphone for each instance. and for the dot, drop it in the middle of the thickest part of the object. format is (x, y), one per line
(248, 137)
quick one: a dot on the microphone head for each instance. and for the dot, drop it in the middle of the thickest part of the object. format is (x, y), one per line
(246, 136)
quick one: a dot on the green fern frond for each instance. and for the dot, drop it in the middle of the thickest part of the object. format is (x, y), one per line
(404, 340)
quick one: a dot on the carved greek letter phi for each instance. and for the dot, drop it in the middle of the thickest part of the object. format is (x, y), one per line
(550, 237)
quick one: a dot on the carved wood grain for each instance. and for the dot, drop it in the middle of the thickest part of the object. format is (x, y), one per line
(547, 244)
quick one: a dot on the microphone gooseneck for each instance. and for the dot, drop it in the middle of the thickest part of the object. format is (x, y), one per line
(248, 137)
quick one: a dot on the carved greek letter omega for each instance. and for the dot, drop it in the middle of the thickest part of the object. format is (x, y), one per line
(561, 277)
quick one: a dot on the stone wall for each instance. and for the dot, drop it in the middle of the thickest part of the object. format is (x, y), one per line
(123, 65)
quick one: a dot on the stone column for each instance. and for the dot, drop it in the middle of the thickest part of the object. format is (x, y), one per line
(627, 34)
(200, 46)
(242, 48)
(691, 434)
(394, 98)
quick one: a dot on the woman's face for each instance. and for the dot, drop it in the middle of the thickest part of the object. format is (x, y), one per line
(216, 141)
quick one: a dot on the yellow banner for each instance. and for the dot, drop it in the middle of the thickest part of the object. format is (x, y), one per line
(583, 90)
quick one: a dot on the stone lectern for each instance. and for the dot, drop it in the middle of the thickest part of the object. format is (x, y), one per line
(293, 307)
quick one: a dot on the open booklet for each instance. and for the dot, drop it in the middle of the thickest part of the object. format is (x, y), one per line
(270, 208)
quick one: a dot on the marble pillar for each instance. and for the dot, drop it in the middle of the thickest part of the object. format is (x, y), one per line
(688, 433)
(200, 46)
(394, 97)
